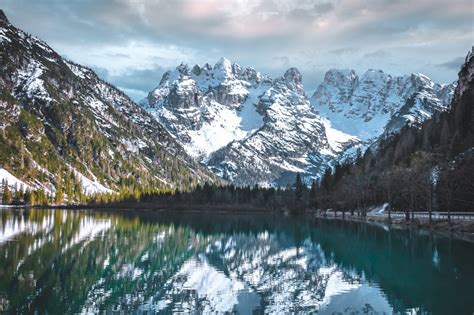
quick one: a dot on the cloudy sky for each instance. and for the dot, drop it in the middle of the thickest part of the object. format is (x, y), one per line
(131, 42)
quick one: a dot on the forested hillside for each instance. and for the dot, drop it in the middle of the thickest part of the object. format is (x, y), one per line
(425, 167)
(66, 133)
(422, 168)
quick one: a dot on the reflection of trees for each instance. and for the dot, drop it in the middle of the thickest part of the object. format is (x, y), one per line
(59, 282)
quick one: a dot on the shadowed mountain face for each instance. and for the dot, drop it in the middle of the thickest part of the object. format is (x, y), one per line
(58, 117)
(76, 261)
(378, 103)
(250, 128)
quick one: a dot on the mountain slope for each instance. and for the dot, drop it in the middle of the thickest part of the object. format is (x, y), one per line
(247, 127)
(250, 128)
(193, 105)
(292, 140)
(59, 120)
(378, 103)
(424, 167)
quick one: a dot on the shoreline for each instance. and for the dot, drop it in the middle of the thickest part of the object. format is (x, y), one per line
(461, 229)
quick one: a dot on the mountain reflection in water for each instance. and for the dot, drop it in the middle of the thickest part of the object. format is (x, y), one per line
(60, 261)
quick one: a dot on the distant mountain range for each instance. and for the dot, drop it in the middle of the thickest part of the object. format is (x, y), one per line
(200, 123)
(57, 118)
(249, 128)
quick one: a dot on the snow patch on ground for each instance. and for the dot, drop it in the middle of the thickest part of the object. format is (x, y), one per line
(12, 182)
(30, 80)
(378, 210)
(90, 187)
(337, 139)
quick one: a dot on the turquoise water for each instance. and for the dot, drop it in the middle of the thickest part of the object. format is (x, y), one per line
(65, 262)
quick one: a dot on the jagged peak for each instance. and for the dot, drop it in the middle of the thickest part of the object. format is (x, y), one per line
(223, 62)
(371, 72)
(183, 68)
(346, 73)
(422, 79)
(197, 69)
(3, 18)
(293, 75)
(225, 66)
(470, 55)
(375, 75)
(465, 75)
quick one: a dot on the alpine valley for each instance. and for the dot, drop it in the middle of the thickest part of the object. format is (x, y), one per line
(200, 124)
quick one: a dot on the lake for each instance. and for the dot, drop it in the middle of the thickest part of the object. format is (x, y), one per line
(64, 262)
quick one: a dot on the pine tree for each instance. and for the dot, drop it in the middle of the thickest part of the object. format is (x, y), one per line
(299, 190)
(6, 194)
(313, 197)
(69, 187)
(29, 198)
(58, 198)
(18, 196)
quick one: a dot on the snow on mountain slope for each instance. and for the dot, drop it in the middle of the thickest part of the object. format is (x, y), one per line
(6, 178)
(62, 116)
(207, 107)
(375, 103)
(288, 142)
(249, 128)
(245, 126)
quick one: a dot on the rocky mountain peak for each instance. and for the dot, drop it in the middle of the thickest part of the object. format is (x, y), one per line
(347, 75)
(3, 18)
(375, 76)
(293, 80)
(183, 68)
(224, 65)
(363, 106)
(293, 75)
(197, 70)
(466, 74)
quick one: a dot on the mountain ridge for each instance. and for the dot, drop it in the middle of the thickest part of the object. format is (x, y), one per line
(202, 106)
(67, 124)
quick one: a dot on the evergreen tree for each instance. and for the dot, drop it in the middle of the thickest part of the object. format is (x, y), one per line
(58, 198)
(18, 196)
(69, 187)
(6, 194)
(299, 190)
(313, 196)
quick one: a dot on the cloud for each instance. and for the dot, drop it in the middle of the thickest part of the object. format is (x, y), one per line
(125, 37)
(137, 83)
(377, 54)
(344, 51)
(453, 64)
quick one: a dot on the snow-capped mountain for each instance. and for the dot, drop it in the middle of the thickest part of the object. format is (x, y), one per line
(250, 128)
(376, 103)
(208, 107)
(58, 117)
(293, 139)
(245, 126)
